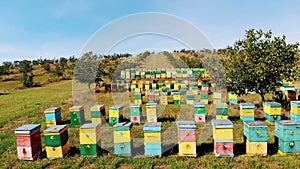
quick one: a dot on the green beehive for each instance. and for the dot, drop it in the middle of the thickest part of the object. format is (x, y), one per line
(89, 137)
(157, 74)
(138, 73)
(199, 108)
(77, 115)
(163, 73)
(152, 73)
(143, 73)
(132, 73)
(190, 97)
(148, 74)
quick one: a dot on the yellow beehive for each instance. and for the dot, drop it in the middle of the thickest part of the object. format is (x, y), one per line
(89, 134)
(223, 133)
(138, 101)
(152, 137)
(57, 152)
(114, 113)
(176, 86)
(221, 117)
(256, 148)
(272, 108)
(186, 148)
(122, 136)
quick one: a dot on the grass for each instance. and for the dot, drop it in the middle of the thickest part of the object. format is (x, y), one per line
(26, 106)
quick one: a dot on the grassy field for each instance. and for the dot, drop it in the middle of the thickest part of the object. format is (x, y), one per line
(26, 106)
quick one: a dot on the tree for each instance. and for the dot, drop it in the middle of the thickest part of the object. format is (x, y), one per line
(86, 69)
(27, 76)
(259, 62)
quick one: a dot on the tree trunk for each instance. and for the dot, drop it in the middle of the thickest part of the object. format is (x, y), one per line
(262, 95)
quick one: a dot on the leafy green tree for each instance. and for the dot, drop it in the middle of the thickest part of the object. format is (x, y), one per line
(86, 69)
(27, 76)
(259, 62)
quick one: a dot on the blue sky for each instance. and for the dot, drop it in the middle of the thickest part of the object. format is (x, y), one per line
(50, 29)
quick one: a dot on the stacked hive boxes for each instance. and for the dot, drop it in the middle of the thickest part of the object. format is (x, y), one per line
(28, 140)
(123, 75)
(143, 74)
(156, 95)
(190, 97)
(160, 84)
(77, 115)
(132, 87)
(147, 85)
(217, 97)
(151, 112)
(56, 141)
(140, 85)
(89, 137)
(232, 98)
(53, 116)
(223, 137)
(187, 138)
(164, 98)
(272, 111)
(153, 86)
(256, 134)
(199, 112)
(203, 97)
(132, 73)
(163, 73)
(152, 73)
(151, 98)
(98, 114)
(135, 113)
(137, 98)
(204, 88)
(122, 138)
(115, 113)
(176, 97)
(247, 111)
(295, 111)
(221, 111)
(152, 138)
(138, 73)
(287, 136)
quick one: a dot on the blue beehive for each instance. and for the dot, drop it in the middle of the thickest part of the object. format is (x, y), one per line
(152, 138)
(256, 131)
(287, 134)
(122, 138)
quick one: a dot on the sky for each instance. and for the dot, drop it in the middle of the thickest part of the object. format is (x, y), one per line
(61, 28)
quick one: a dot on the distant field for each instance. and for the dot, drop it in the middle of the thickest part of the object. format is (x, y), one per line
(26, 106)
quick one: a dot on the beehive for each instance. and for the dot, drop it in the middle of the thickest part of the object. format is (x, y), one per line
(223, 137)
(232, 98)
(163, 73)
(217, 97)
(148, 74)
(176, 97)
(168, 85)
(53, 116)
(151, 98)
(221, 111)
(203, 97)
(174, 75)
(127, 73)
(132, 87)
(153, 86)
(160, 84)
(247, 111)
(152, 138)
(204, 88)
(77, 115)
(190, 97)
(256, 133)
(287, 136)
(176, 86)
(163, 98)
(122, 139)
(138, 73)
(143, 74)
(98, 114)
(28, 141)
(295, 111)
(147, 86)
(115, 113)
(151, 112)
(186, 138)
(157, 74)
(56, 141)
(156, 95)
(137, 98)
(123, 74)
(199, 112)
(178, 73)
(168, 73)
(132, 73)
(89, 138)
(135, 113)
(152, 73)
(272, 111)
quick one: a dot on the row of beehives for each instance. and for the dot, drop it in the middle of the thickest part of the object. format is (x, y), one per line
(161, 85)
(28, 139)
(134, 73)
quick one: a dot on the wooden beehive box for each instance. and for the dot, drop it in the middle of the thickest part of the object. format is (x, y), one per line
(190, 97)
(151, 110)
(272, 108)
(135, 113)
(53, 116)
(256, 148)
(98, 114)
(164, 98)
(89, 138)
(256, 131)
(122, 138)
(187, 138)
(247, 111)
(176, 97)
(203, 97)
(152, 138)
(77, 115)
(137, 98)
(199, 112)
(151, 97)
(217, 97)
(232, 98)
(56, 141)
(115, 112)
(295, 107)
(221, 111)
(222, 130)
(28, 141)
